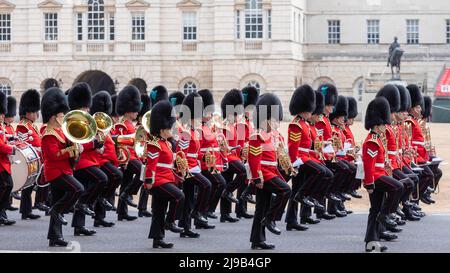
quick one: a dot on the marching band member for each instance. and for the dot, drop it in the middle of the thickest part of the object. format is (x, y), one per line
(377, 181)
(6, 183)
(57, 152)
(351, 157)
(337, 118)
(107, 160)
(262, 158)
(10, 133)
(189, 143)
(244, 128)
(325, 133)
(210, 153)
(143, 195)
(232, 105)
(160, 180)
(28, 132)
(392, 95)
(128, 106)
(87, 169)
(176, 99)
(417, 143)
(115, 118)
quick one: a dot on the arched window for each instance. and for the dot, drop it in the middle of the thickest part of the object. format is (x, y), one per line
(255, 84)
(96, 20)
(189, 87)
(5, 87)
(253, 19)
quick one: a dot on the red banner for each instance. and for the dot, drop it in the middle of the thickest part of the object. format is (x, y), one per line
(443, 87)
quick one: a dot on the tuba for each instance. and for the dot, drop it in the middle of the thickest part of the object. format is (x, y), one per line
(104, 125)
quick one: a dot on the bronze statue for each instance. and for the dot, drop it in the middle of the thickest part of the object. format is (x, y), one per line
(395, 56)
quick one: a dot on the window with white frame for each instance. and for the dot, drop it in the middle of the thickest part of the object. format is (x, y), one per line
(448, 31)
(334, 31)
(5, 88)
(189, 26)
(112, 27)
(412, 31)
(138, 26)
(254, 84)
(96, 20)
(189, 87)
(79, 26)
(238, 24)
(253, 19)
(373, 31)
(269, 24)
(5, 27)
(51, 26)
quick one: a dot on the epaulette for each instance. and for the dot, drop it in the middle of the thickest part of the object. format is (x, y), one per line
(296, 121)
(154, 142)
(52, 132)
(374, 138)
(257, 135)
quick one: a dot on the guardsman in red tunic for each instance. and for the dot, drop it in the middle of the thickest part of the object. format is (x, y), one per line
(6, 183)
(27, 132)
(143, 194)
(128, 106)
(310, 174)
(417, 142)
(377, 181)
(232, 106)
(263, 163)
(392, 95)
(107, 160)
(210, 153)
(352, 155)
(431, 150)
(244, 128)
(159, 175)
(57, 152)
(87, 168)
(189, 144)
(11, 134)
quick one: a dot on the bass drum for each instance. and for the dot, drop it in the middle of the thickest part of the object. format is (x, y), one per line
(25, 166)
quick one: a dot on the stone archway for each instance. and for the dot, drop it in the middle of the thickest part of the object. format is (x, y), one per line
(140, 84)
(98, 80)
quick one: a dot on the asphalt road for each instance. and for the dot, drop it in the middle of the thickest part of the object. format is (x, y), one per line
(341, 235)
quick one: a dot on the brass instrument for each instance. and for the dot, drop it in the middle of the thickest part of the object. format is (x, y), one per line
(142, 137)
(337, 145)
(79, 127)
(318, 148)
(210, 161)
(104, 125)
(182, 165)
(387, 163)
(284, 160)
(244, 153)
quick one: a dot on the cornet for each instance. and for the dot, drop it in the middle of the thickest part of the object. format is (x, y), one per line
(104, 125)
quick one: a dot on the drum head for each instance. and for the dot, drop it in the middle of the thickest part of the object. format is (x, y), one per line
(25, 164)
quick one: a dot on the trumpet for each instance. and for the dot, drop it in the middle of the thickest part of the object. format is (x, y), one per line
(182, 165)
(104, 125)
(284, 160)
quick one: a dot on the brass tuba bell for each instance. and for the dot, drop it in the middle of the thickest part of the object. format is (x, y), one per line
(104, 125)
(79, 127)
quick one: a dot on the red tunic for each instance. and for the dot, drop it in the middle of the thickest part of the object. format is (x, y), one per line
(341, 136)
(392, 147)
(9, 129)
(29, 133)
(189, 143)
(262, 157)
(5, 150)
(126, 127)
(208, 142)
(324, 131)
(109, 153)
(159, 162)
(373, 157)
(418, 140)
(56, 161)
(42, 129)
(349, 138)
(299, 141)
(230, 133)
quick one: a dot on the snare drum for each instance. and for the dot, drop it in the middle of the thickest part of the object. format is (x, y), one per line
(25, 166)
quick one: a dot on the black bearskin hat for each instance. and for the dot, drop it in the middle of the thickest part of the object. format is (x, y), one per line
(251, 95)
(80, 96)
(30, 102)
(404, 98)
(268, 106)
(3, 103)
(12, 107)
(232, 98)
(161, 117)
(415, 94)
(194, 104)
(146, 105)
(391, 93)
(101, 102)
(378, 113)
(208, 101)
(352, 108)
(340, 109)
(128, 100)
(330, 93)
(320, 103)
(426, 108)
(53, 102)
(176, 98)
(158, 93)
(114, 101)
(303, 100)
